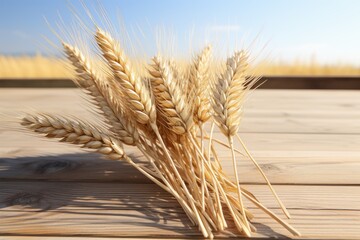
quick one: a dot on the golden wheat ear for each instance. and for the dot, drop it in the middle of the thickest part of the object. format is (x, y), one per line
(199, 85)
(87, 136)
(133, 87)
(96, 87)
(169, 99)
(161, 114)
(228, 94)
(74, 132)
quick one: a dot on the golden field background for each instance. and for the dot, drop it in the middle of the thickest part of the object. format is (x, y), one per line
(33, 67)
(27, 67)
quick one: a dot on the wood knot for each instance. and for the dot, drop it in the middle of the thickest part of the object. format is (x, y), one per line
(53, 166)
(24, 199)
(269, 167)
(50, 166)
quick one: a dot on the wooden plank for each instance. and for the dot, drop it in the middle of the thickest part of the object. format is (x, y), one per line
(298, 137)
(313, 197)
(285, 158)
(254, 141)
(90, 167)
(264, 124)
(143, 210)
(304, 112)
(300, 125)
(295, 113)
(312, 95)
(279, 98)
(313, 224)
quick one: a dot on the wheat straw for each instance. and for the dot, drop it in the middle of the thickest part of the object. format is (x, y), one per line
(162, 119)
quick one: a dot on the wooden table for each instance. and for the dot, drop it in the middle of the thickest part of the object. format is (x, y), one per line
(307, 141)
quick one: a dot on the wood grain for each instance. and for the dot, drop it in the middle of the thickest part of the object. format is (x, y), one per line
(109, 210)
(285, 158)
(290, 112)
(307, 142)
(306, 169)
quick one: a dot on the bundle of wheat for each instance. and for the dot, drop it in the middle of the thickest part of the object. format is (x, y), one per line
(163, 115)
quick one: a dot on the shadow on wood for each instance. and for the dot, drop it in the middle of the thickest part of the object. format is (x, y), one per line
(95, 204)
(156, 206)
(82, 167)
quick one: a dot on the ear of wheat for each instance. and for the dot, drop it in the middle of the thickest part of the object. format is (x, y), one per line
(162, 119)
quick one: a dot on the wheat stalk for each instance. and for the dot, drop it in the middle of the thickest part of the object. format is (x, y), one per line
(283, 208)
(172, 108)
(227, 100)
(162, 119)
(199, 88)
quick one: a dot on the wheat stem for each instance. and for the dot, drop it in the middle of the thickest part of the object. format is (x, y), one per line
(161, 113)
(273, 215)
(222, 144)
(265, 178)
(237, 182)
(210, 139)
(202, 169)
(205, 229)
(237, 218)
(172, 191)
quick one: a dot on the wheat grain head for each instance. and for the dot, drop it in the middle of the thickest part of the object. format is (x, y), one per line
(169, 99)
(199, 85)
(137, 94)
(228, 94)
(87, 79)
(74, 132)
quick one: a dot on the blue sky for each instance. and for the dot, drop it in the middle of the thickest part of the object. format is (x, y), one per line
(325, 30)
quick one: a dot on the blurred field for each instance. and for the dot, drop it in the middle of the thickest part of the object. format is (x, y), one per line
(33, 67)
(305, 69)
(30, 67)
